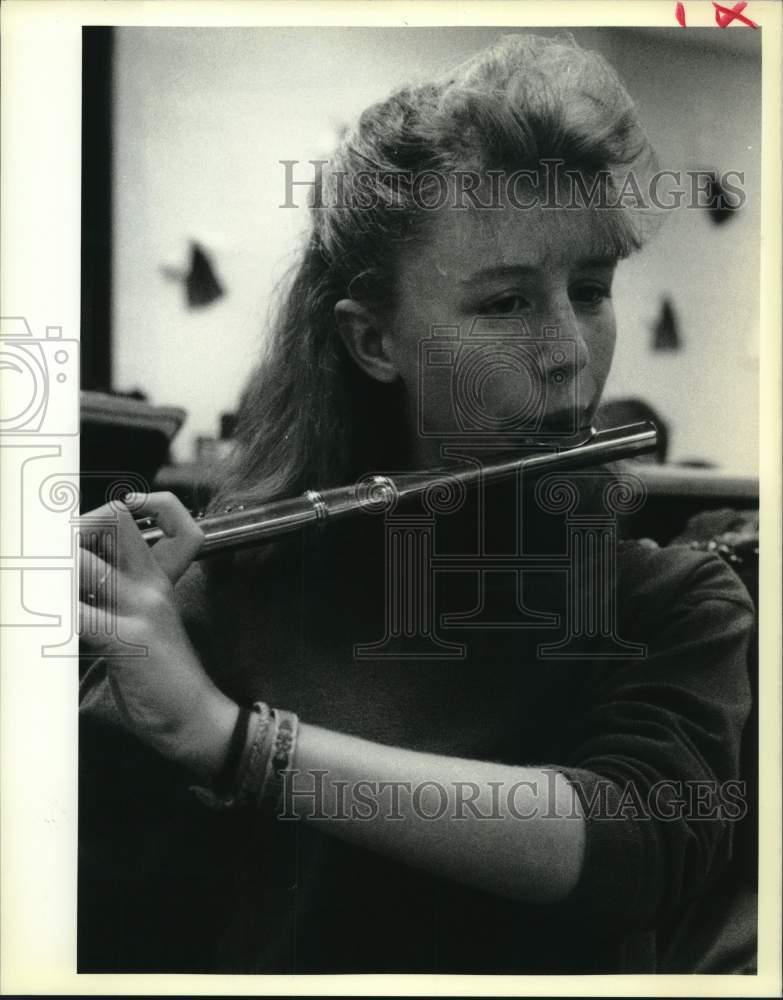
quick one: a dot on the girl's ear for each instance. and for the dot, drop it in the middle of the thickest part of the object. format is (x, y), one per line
(364, 340)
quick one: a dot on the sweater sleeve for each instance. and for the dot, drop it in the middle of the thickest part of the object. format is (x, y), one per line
(655, 761)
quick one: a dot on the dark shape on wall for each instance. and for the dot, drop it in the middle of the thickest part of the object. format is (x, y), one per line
(666, 332)
(201, 284)
(718, 204)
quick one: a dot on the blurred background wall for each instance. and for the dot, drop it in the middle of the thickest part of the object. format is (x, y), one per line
(203, 117)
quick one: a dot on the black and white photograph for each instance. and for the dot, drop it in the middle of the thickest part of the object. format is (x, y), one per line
(419, 526)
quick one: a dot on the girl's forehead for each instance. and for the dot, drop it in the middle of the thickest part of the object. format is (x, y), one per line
(460, 241)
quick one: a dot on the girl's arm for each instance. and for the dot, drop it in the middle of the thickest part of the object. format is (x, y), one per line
(513, 831)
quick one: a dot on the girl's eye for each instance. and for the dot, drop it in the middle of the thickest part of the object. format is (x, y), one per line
(590, 295)
(506, 305)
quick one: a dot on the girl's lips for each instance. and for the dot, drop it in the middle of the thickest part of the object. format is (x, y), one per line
(565, 420)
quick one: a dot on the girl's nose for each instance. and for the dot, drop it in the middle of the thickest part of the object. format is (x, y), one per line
(563, 325)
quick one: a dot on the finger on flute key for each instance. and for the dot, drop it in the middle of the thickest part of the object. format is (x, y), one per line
(182, 536)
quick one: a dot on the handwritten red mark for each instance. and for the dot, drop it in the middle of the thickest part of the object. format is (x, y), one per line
(724, 16)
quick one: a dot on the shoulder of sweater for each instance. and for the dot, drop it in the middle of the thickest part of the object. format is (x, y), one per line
(677, 573)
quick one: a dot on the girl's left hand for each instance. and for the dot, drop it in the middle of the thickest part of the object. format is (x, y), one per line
(127, 607)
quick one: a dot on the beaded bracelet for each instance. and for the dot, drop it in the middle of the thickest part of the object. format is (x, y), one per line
(280, 760)
(260, 777)
(252, 773)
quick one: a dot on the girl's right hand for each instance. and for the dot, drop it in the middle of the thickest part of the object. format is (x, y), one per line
(128, 616)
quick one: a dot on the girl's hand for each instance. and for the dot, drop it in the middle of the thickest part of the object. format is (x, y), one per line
(128, 615)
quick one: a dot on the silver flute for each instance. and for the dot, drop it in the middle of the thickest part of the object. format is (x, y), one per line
(243, 527)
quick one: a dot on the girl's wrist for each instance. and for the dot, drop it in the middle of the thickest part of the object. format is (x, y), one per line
(203, 747)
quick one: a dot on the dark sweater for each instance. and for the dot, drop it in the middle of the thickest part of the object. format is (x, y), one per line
(168, 886)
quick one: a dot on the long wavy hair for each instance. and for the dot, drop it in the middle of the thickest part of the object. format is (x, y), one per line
(309, 417)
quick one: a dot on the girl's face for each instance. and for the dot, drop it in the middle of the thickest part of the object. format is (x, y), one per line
(537, 284)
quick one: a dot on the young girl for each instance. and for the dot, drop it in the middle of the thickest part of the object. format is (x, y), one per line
(482, 796)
